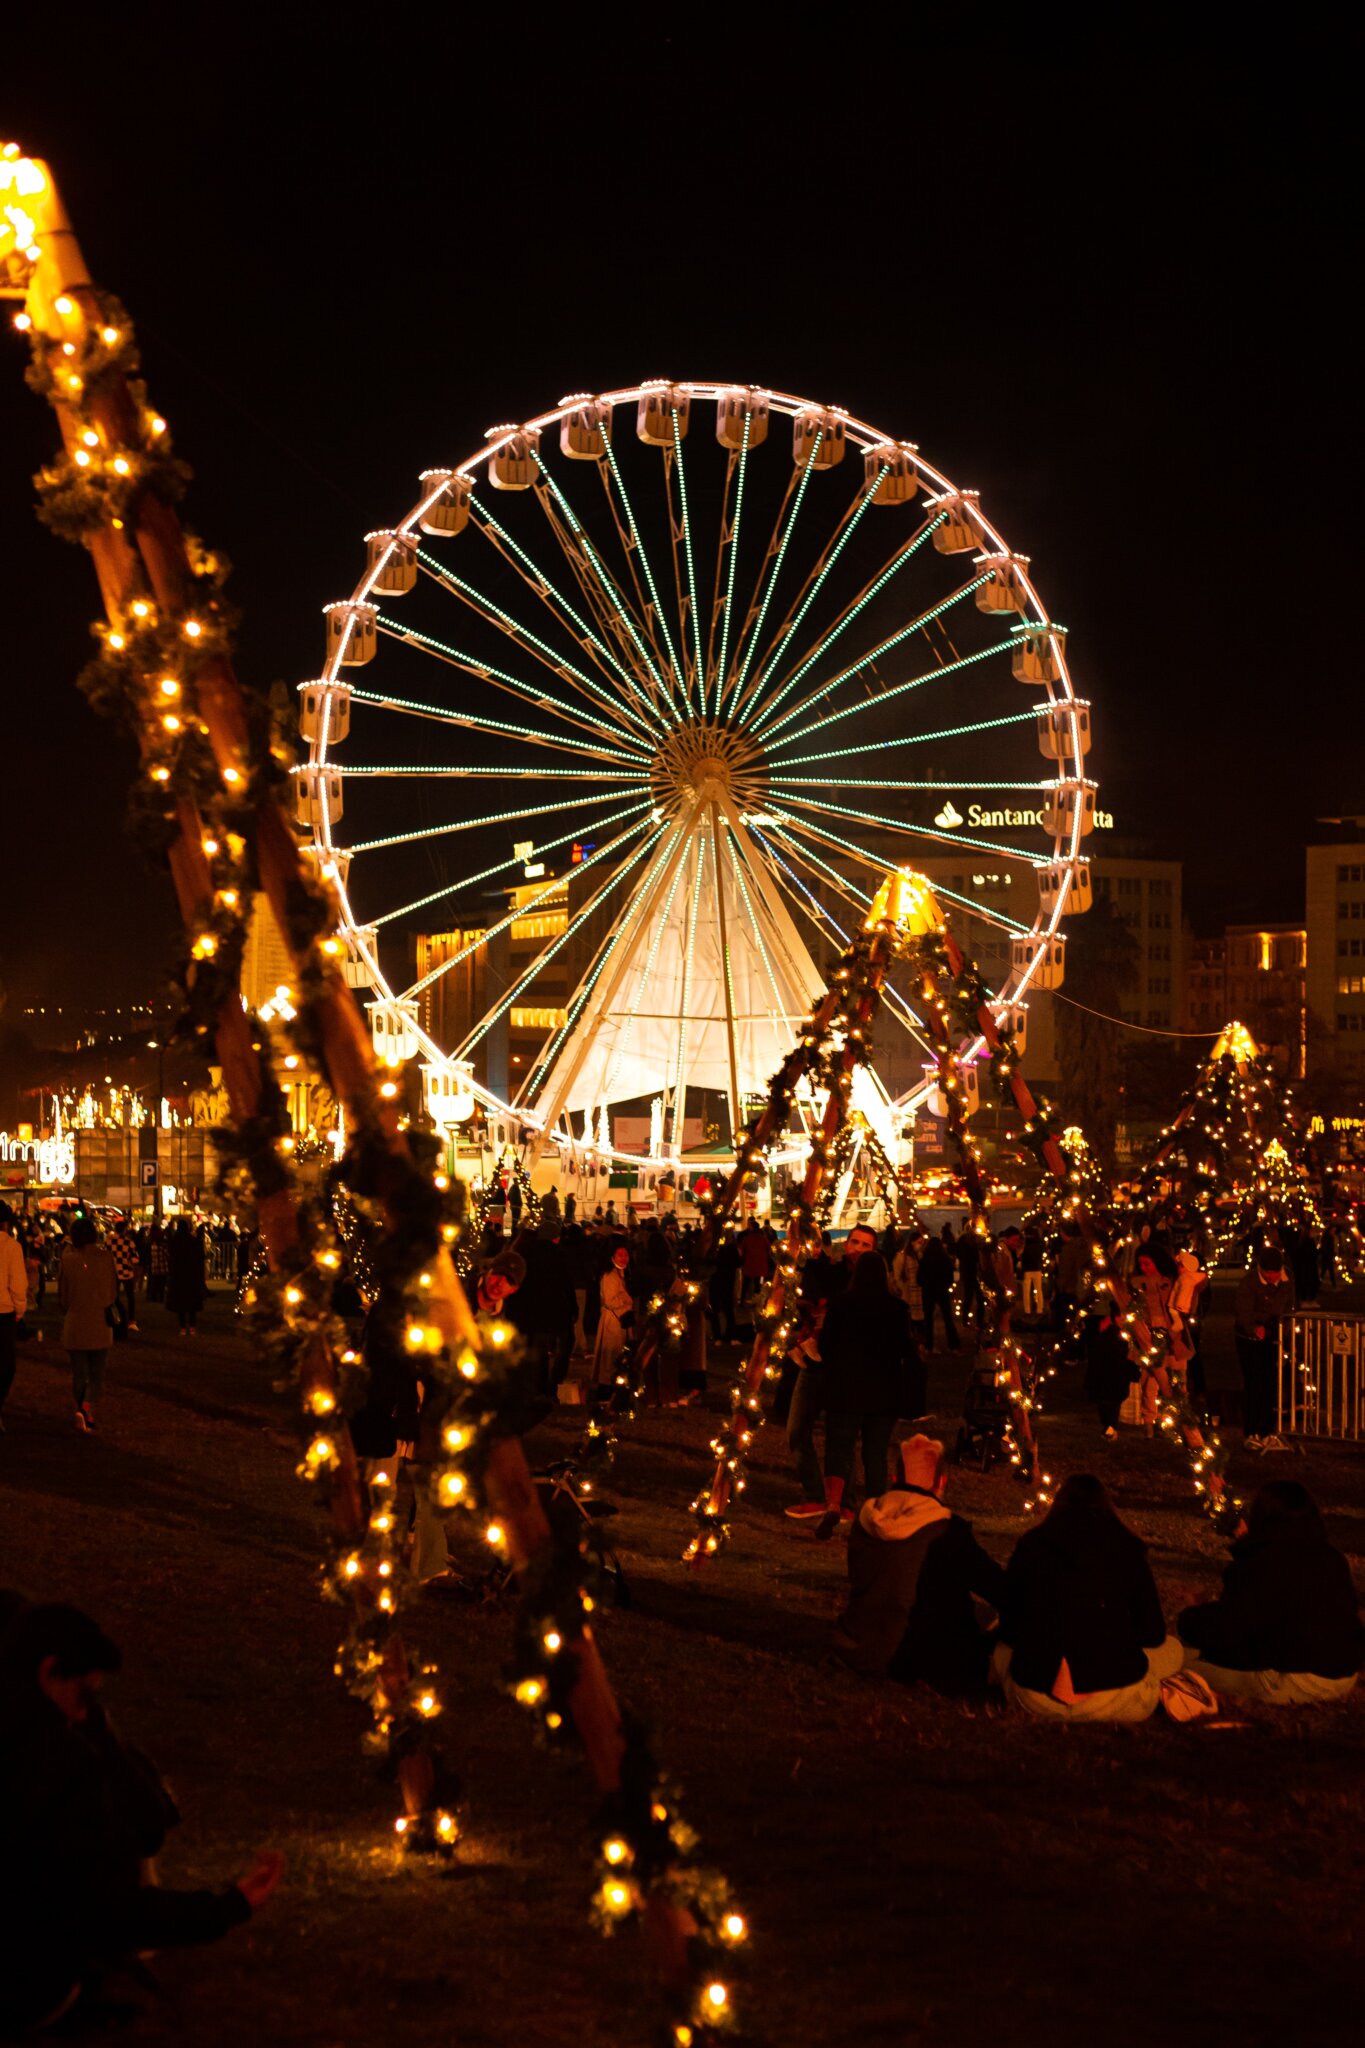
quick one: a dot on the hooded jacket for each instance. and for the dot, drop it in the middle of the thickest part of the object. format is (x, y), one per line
(913, 1567)
(1287, 1604)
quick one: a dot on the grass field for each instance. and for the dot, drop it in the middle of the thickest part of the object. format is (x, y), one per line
(915, 1871)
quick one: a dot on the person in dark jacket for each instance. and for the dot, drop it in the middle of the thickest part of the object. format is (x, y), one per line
(1081, 1631)
(1286, 1627)
(1265, 1296)
(544, 1308)
(1109, 1372)
(81, 1812)
(873, 1373)
(935, 1281)
(186, 1287)
(913, 1569)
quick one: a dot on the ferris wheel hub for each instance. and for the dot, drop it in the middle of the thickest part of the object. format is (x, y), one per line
(705, 759)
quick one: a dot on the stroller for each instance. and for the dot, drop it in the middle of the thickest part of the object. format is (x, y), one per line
(985, 1418)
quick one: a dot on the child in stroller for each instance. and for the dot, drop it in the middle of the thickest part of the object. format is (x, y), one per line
(985, 1415)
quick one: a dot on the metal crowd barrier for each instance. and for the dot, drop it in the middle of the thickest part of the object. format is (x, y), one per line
(1322, 1375)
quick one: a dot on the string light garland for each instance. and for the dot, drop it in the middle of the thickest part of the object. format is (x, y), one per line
(205, 799)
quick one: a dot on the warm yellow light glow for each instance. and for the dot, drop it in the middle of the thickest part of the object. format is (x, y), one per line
(452, 1485)
(64, 305)
(529, 1691)
(905, 900)
(734, 1926)
(193, 629)
(717, 1996)
(90, 438)
(553, 1640)
(615, 1850)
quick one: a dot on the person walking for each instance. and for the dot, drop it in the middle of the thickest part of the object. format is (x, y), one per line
(1031, 1275)
(1265, 1295)
(186, 1288)
(13, 1301)
(128, 1266)
(935, 1281)
(905, 1276)
(616, 1322)
(1153, 1275)
(967, 1254)
(87, 1288)
(1109, 1371)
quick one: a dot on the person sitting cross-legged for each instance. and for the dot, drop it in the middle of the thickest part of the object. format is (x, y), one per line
(1286, 1627)
(913, 1569)
(1081, 1631)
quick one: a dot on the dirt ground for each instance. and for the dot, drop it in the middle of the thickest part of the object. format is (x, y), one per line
(915, 1871)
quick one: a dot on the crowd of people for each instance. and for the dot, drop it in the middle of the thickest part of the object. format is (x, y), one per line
(103, 1279)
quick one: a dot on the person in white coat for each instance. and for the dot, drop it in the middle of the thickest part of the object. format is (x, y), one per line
(615, 1325)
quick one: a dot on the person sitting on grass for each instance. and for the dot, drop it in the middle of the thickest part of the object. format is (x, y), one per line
(1286, 1627)
(914, 1568)
(81, 1815)
(1081, 1631)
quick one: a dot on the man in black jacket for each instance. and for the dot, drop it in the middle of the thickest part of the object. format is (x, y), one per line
(1286, 1627)
(80, 1814)
(913, 1568)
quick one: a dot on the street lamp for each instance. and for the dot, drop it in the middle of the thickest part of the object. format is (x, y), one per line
(155, 1045)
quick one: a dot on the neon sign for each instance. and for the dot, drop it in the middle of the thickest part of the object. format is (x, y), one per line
(55, 1158)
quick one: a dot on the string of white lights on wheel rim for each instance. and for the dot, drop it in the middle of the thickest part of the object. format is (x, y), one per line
(717, 680)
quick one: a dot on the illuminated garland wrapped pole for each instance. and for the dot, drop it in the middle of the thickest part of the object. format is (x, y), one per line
(161, 595)
(900, 910)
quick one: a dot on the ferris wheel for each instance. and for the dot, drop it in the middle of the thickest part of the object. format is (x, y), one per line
(623, 724)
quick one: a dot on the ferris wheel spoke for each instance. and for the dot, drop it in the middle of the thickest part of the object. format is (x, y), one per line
(853, 610)
(685, 1006)
(886, 782)
(784, 1023)
(601, 590)
(810, 590)
(549, 594)
(635, 918)
(469, 772)
(493, 614)
(823, 920)
(522, 910)
(913, 739)
(410, 708)
(573, 803)
(547, 953)
(944, 838)
(501, 867)
(483, 671)
(627, 1025)
(932, 675)
(576, 1005)
(998, 918)
(729, 542)
(865, 661)
(633, 545)
(783, 526)
(681, 531)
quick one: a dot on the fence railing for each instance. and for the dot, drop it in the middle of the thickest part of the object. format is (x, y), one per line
(1322, 1375)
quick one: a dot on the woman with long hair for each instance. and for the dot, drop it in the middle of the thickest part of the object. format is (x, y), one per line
(1081, 1631)
(87, 1288)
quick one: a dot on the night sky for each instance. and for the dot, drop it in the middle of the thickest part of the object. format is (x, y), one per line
(1106, 281)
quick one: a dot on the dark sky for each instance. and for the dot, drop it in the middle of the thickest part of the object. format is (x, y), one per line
(1106, 279)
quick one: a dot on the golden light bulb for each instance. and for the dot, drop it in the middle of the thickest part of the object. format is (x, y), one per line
(64, 305)
(493, 1533)
(110, 335)
(553, 1640)
(529, 1691)
(615, 1850)
(717, 1996)
(82, 459)
(90, 438)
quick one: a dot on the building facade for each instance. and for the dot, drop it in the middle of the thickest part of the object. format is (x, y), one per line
(1334, 905)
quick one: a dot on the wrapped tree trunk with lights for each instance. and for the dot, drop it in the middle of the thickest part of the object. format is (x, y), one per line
(207, 802)
(905, 920)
